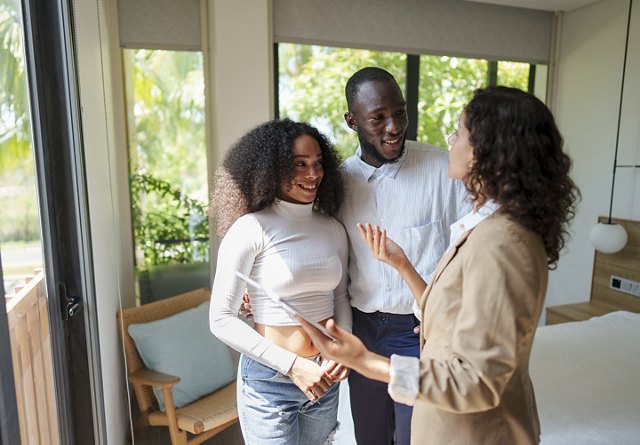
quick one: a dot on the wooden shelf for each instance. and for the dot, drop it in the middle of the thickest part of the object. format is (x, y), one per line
(579, 311)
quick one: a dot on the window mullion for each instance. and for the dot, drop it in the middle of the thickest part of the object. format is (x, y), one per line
(413, 78)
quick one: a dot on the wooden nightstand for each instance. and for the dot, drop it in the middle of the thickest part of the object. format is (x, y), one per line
(604, 299)
(579, 311)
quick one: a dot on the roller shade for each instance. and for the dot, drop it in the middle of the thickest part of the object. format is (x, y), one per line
(159, 24)
(447, 27)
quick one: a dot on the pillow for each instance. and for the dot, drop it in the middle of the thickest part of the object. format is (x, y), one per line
(183, 345)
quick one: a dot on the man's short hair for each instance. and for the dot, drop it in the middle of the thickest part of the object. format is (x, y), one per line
(361, 76)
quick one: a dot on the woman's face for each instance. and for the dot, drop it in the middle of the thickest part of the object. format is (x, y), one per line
(460, 151)
(308, 172)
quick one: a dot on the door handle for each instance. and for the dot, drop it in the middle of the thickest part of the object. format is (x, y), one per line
(70, 305)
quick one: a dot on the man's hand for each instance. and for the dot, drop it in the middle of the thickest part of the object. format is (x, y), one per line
(245, 307)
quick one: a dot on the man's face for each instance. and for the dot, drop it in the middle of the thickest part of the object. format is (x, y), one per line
(379, 117)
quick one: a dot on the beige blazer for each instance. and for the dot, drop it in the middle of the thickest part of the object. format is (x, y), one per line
(479, 316)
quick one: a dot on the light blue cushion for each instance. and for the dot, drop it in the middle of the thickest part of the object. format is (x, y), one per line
(183, 345)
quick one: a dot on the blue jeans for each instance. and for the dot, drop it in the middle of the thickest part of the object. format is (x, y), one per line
(273, 410)
(377, 419)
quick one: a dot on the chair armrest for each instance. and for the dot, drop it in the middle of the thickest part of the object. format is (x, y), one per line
(153, 378)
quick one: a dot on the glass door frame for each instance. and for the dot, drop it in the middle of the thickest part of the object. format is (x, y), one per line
(62, 194)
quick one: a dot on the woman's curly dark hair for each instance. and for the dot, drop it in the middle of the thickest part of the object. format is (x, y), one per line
(257, 165)
(520, 164)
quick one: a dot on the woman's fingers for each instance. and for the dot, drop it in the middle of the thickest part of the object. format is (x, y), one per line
(337, 371)
(383, 241)
(375, 237)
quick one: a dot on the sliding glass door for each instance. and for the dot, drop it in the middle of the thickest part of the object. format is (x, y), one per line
(50, 321)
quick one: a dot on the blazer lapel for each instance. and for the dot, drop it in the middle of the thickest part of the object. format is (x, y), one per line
(442, 264)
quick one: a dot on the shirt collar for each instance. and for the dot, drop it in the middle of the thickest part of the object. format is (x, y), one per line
(389, 169)
(292, 210)
(472, 219)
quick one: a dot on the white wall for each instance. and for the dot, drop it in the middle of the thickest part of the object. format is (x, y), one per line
(238, 49)
(587, 92)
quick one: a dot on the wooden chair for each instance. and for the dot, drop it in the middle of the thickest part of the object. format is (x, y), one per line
(203, 418)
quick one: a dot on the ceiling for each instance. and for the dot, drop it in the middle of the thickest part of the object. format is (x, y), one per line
(545, 5)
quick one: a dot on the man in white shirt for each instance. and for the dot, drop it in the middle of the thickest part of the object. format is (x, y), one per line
(404, 187)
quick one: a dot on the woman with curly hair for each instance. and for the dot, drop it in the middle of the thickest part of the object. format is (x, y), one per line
(275, 198)
(481, 309)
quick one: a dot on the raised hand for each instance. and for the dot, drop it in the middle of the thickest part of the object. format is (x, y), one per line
(381, 247)
(387, 251)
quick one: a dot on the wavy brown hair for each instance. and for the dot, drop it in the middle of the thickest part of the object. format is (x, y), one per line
(257, 165)
(519, 162)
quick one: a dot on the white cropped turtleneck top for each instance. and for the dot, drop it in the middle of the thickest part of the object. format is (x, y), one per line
(300, 254)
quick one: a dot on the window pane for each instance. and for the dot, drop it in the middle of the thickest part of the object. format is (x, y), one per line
(513, 74)
(446, 85)
(168, 173)
(312, 80)
(19, 220)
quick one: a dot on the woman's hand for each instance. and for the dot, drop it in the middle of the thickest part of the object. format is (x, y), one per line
(387, 251)
(336, 371)
(310, 378)
(383, 248)
(348, 350)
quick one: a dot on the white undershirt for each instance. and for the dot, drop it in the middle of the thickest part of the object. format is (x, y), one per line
(300, 254)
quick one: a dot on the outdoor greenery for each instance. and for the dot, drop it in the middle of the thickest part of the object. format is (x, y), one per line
(167, 157)
(19, 218)
(311, 85)
(312, 80)
(446, 85)
(169, 227)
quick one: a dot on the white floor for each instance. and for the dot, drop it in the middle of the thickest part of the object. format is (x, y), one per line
(344, 436)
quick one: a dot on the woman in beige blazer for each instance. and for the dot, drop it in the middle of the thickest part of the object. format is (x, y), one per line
(479, 314)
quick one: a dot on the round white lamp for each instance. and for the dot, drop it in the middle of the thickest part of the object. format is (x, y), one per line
(608, 237)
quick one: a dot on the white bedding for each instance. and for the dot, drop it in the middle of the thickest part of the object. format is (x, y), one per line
(586, 377)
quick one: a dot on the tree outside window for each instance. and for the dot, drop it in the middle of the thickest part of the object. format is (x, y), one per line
(311, 82)
(168, 178)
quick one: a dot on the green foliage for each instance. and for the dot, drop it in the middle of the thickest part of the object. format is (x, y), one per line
(169, 227)
(168, 112)
(167, 157)
(312, 80)
(513, 74)
(446, 85)
(18, 199)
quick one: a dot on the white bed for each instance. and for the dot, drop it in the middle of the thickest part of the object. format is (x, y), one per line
(586, 377)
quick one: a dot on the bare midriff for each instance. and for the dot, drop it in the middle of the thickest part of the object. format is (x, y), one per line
(291, 338)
